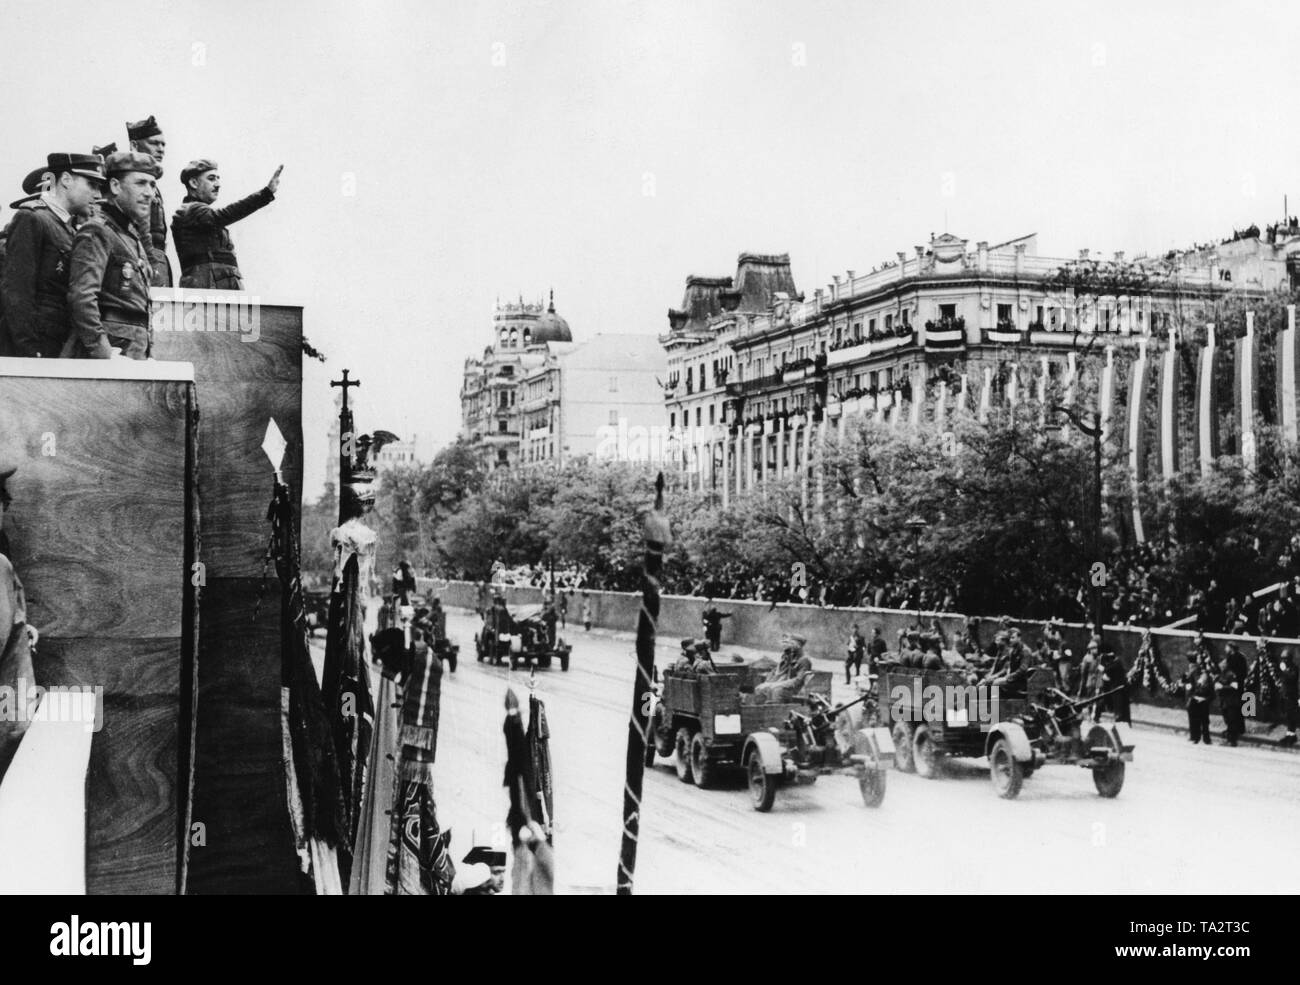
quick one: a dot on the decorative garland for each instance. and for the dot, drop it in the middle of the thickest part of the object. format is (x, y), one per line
(1149, 671)
(1263, 676)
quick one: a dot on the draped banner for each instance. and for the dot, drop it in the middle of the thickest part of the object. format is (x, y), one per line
(1106, 399)
(1207, 406)
(1245, 377)
(1135, 445)
(1167, 436)
(1287, 410)
(1071, 377)
(986, 394)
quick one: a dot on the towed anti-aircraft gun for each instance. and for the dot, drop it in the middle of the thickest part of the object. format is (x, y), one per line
(1038, 727)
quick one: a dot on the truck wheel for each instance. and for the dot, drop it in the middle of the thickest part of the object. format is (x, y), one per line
(1109, 779)
(1005, 771)
(903, 748)
(478, 648)
(925, 755)
(661, 735)
(872, 784)
(682, 750)
(704, 771)
(762, 785)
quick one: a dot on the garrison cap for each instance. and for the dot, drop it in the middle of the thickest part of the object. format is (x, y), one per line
(143, 129)
(87, 165)
(126, 161)
(195, 168)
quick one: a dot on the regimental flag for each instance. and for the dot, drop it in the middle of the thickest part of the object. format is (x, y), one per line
(986, 394)
(941, 407)
(1167, 435)
(1288, 371)
(1106, 398)
(1207, 405)
(1134, 435)
(1245, 381)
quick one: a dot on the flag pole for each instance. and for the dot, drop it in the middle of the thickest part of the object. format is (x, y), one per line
(657, 537)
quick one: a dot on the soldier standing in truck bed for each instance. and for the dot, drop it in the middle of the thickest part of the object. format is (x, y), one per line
(203, 242)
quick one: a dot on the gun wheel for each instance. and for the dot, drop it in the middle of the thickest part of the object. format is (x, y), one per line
(762, 785)
(872, 784)
(902, 734)
(1005, 771)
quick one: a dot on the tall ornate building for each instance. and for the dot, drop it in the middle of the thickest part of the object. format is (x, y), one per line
(538, 397)
(757, 376)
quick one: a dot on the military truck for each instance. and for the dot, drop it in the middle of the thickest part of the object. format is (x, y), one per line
(713, 722)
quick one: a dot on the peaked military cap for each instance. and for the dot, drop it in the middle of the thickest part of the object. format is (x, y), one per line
(32, 183)
(87, 165)
(196, 168)
(125, 162)
(483, 855)
(143, 129)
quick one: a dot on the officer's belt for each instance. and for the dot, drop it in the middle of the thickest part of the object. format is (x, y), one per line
(209, 256)
(122, 316)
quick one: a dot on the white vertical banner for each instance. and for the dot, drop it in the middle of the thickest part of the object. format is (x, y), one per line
(1071, 377)
(1289, 415)
(1013, 385)
(1043, 366)
(986, 395)
(1107, 397)
(1169, 409)
(896, 408)
(1206, 406)
(1137, 392)
(941, 407)
(963, 395)
(918, 400)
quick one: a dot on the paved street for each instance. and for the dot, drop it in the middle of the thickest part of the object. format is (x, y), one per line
(1182, 808)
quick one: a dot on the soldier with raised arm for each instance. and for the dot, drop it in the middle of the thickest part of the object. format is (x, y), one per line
(203, 242)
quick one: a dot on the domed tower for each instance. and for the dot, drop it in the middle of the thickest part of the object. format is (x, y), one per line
(551, 327)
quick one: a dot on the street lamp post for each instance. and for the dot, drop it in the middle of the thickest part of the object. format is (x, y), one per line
(1095, 579)
(917, 524)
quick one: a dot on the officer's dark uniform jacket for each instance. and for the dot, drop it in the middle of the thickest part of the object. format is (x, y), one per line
(108, 294)
(203, 242)
(155, 239)
(37, 260)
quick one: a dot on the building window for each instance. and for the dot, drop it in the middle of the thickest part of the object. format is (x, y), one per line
(1004, 313)
(699, 415)
(711, 412)
(613, 384)
(672, 421)
(613, 418)
(871, 328)
(947, 311)
(690, 379)
(503, 456)
(889, 323)
(502, 426)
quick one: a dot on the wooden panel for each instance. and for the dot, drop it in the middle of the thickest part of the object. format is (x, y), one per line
(239, 792)
(98, 518)
(234, 474)
(272, 352)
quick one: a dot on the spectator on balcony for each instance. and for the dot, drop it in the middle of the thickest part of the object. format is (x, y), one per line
(203, 242)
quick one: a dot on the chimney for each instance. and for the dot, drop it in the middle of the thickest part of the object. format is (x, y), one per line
(1020, 256)
(817, 297)
(982, 255)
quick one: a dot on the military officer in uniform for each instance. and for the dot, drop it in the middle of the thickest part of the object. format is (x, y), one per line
(203, 242)
(108, 289)
(712, 622)
(146, 137)
(32, 186)
(37, 254)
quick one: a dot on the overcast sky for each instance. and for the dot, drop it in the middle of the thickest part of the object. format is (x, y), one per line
(609, 149)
